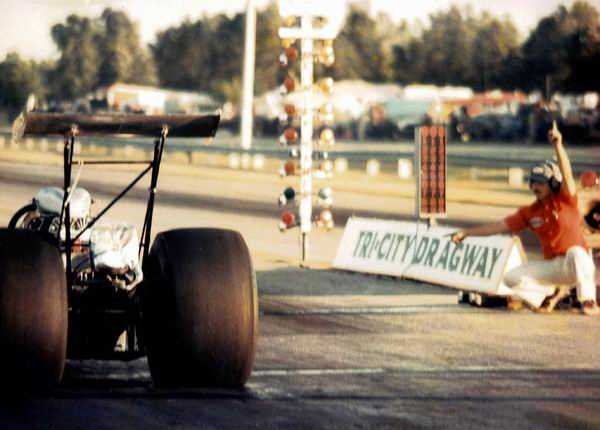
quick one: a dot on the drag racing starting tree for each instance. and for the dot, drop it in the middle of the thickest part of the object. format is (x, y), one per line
(307, 117)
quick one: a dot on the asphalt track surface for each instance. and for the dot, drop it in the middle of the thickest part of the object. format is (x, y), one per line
(336, 349)
(215, 195)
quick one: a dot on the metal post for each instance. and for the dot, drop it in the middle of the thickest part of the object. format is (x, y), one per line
(147, 230)
(67, 166)
(306, 135)
(417, 170)
(248, 86)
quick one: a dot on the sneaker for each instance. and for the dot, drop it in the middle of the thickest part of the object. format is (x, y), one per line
(590, 308)
(550, 302)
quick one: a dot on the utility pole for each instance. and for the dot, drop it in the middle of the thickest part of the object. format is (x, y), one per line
(248, 86)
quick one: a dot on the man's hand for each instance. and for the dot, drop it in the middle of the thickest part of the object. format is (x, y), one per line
(554, 136)
(458, 237)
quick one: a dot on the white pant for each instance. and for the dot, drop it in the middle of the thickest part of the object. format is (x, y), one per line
(535, 280)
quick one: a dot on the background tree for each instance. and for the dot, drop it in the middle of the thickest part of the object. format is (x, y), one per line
(122, 57)
(268, 47)
(97, 52)
(205, 55)
(408, 62)
(448, 48)
(227, 52)
(493, 42)
(564, 50)
(18, 79)
(455, 47)
(583, 48)
(76, 70)
(359, 48)
(544, 52)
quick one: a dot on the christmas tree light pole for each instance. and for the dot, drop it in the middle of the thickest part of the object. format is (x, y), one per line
(306, 72)
(307, 34)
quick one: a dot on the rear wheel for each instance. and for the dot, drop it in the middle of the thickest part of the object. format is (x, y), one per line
(200, 308)
(33, 312)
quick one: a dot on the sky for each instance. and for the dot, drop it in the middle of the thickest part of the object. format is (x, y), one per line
(26, 24)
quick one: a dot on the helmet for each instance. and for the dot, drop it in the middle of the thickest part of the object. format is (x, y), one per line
(546, 172)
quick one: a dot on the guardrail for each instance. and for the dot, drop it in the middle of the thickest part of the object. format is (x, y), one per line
(476, 155)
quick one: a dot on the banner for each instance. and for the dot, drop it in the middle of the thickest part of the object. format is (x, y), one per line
(412, 250)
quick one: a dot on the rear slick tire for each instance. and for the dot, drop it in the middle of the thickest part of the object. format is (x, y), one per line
(200, 309)
(33, 312)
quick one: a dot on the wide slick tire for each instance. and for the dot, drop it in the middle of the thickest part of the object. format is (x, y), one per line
(200, 309)
(33, 312)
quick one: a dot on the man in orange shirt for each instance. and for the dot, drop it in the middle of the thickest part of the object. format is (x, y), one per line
(555, 219)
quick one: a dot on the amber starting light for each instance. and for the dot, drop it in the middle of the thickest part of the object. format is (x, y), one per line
(289, 168)
(325, 219)
(327, 137)
(290, 110)
(286, 43)
(326, 55)
(326, 85)
(289, 84)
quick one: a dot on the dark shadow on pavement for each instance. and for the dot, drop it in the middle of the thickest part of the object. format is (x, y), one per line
(326, 282)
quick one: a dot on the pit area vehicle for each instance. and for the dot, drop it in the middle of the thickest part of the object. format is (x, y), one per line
(72, 287)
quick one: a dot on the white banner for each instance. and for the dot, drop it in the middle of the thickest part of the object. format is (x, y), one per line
(415, 251)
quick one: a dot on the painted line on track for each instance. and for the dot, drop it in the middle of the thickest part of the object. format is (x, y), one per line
(318, 372)
(384, 310)
(258, 373)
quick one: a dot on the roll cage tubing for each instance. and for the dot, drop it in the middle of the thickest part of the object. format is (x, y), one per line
(186, 126)
(152, 166)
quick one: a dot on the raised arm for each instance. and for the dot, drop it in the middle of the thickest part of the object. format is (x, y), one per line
(555, 137)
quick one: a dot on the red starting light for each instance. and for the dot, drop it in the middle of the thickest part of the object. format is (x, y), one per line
(291, 53)
(289, 136)
(288, 220)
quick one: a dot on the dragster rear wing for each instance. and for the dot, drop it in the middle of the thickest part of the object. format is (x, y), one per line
(44, 124)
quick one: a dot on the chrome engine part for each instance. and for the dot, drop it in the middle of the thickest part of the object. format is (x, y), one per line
(114, 250)
(49, 202)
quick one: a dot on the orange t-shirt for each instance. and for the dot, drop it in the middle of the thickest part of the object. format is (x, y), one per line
(556, 222)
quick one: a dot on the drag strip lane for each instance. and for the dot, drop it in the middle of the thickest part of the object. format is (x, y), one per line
(223, 204)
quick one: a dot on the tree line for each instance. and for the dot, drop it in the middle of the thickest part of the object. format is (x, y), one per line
(457, 47)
